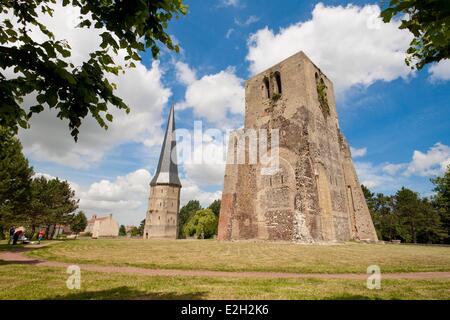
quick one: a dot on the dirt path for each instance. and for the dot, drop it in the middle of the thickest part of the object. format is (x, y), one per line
(19, 258)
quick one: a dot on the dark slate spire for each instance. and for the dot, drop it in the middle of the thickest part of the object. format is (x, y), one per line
(167, 172)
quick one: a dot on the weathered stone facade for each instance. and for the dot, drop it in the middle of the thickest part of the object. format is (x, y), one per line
(316, 195)
(162, 215)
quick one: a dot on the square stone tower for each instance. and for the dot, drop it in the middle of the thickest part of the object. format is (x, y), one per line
(165, 187)
(315, 196)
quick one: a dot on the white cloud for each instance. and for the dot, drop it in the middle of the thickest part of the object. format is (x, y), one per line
(191, 191)
(141, 88)
(358, 152)
(214, 96)
(350, 44)
(433, 162)
(440, 71)
(250, 20)
(373, 177)
(126, 197)
(184, 73)
(207, 164)
(392, 169)
(231, 3)
(49, 138)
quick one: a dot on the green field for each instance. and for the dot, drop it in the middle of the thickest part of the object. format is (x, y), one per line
(250, 256)
(18, 281)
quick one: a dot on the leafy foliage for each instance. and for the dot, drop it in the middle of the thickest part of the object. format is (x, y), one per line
(202, 225)
(322, 94)
(79, 222)
(215, 207)
(15, 180)
(186, 212)
(442, 200)
(405, 216)
(44, 68)
(122, 231)
(429, 22)
(52, 202)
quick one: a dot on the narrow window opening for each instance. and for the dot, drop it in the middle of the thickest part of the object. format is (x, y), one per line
(267, 88)
(278, 81)
(282, 179)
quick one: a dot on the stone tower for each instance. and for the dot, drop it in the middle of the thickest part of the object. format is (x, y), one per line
(315, 195)
(164, 199)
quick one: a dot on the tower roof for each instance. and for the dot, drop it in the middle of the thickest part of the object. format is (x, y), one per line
(167, 171)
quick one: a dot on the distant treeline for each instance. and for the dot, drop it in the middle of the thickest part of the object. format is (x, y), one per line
(408, 217)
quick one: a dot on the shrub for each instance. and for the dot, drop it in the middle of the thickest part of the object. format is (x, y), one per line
(202, 225)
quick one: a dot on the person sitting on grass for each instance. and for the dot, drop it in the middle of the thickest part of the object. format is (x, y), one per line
(41, 235)
(12, 230)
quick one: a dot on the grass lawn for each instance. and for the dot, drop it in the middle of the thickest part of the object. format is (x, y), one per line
(30, 282)
(249, 256)
(37, 282)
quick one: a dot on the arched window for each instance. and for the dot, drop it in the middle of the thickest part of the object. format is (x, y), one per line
(266, 88)
(278, 81)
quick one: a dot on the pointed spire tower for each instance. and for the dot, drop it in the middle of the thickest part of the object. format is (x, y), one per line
(164, 200)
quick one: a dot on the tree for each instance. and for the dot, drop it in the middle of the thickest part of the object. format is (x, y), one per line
(122, 231)
(78, 223)
(431, 230)
(442, 200)
(429, 22)
(370, 198)
(52, 202)
(215, 207)
(15, 180)
(186, 212)
(141, 228)
(135, 232)
(408, 208)
(44, 67)
(202, 225)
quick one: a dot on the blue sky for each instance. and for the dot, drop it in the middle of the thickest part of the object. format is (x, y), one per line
(396, 120)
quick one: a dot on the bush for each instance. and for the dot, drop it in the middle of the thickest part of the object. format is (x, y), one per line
(202, 225)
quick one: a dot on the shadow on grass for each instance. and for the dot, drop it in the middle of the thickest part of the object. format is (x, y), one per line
(24, 262)
(351, 297)
(126, 293)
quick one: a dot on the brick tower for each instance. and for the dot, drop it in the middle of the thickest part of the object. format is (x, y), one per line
(315, 196)
(164, 199)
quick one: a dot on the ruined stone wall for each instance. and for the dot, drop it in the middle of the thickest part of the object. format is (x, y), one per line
(308, 199)
(162, 214)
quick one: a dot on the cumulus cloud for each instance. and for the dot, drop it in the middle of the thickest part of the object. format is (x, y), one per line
(206, 166)
(356, 153)
(440, 71)
(126, 197)
(351, 45)
(373, 177)
(392, 168)
(214, 96)
(184, 73)
(191, 191)
(141, 88)
(433, 162)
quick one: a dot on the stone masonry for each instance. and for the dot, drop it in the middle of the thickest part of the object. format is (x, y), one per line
(315, 196)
